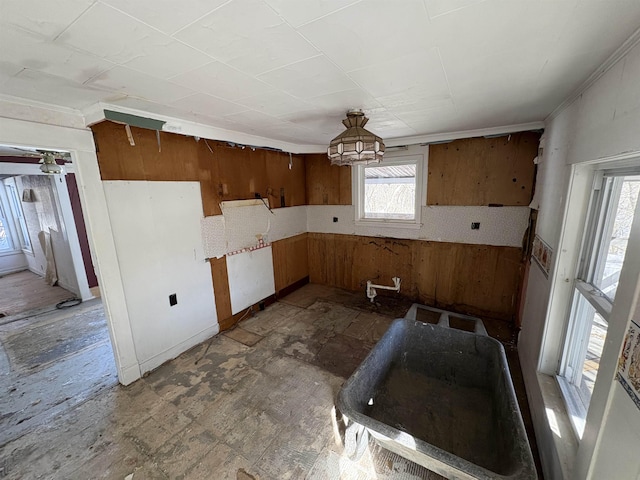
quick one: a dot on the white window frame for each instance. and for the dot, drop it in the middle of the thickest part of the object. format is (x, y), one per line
(421, 191)
(598, 222)
(22, 230)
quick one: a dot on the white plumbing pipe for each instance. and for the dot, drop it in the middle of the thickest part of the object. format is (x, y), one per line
(371, 288)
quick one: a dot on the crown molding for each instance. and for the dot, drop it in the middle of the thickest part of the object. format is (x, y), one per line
(481, 132)
(607, 65)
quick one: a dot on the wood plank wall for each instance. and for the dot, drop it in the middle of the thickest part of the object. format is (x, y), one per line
(477, 279)
(224, 172)
(483, 171)
(290, 260)
(327, 184)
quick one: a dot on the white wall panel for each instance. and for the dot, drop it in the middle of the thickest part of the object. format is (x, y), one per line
(157, 233)
(251, 278)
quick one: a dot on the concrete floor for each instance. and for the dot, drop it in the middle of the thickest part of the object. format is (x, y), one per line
(253, 403)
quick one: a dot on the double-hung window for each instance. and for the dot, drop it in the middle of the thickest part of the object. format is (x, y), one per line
(390, 192)
(611, 211)
(15, 206)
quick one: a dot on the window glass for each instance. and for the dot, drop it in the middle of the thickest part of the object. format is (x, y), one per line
(608, 227)
(390, 192)
(5, 240)
(606, 278)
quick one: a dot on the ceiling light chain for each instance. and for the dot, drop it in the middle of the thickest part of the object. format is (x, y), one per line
(355, 145)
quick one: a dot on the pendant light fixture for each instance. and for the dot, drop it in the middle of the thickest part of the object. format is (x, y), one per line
(49, 165)
(355, 145)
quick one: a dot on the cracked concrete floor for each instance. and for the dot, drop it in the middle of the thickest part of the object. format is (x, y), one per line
(253, 403)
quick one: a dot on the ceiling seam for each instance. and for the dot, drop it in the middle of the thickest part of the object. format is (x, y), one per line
(74, 21)
(172, 35)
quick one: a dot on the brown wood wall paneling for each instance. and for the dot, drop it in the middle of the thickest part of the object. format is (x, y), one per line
(483, 171)
(475, 279)
(327, 184)
(290, 260)
(225, 172)
(221, 287)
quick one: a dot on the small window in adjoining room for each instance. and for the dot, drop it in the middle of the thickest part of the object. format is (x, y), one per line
(611, 212)
(6, 245)
(391, 191)
(18, 214)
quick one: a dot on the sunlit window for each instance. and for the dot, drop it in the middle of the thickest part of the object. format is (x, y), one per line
(612, 210)
(390, 191)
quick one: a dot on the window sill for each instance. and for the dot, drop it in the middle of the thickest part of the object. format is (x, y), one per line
(576, 411)
(558, 423)
(388, 223)
(6, 253)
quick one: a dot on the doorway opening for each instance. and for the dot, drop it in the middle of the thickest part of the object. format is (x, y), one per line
(55, 349)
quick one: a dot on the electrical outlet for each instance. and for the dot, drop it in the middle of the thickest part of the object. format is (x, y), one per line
(335, 219)
(475, 226)
(173, 299)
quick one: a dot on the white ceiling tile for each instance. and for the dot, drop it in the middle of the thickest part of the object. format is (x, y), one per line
(53, 90)
(275, 103)
(254, 119)
(505, 26)
(110, 34)
(34, 52)
(594, 19)
(297, 13)
(270, 49)
(496, 75)
(318, 121)
(290, 69)
(435, 8)
(8, 70)
(221, 81)
(237, 20)
(167, 58)
(417, 74)
(309, 78)
(47, 18)
(125, 81)
(249, 36)
(346, 100)
(371, 32)
(204, 104)
(166, 15)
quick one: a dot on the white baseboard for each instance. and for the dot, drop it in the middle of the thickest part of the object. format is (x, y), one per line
(9, 271)
(173, 352)
(128, 375)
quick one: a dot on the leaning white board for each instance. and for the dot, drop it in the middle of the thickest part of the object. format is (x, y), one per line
(250, 278)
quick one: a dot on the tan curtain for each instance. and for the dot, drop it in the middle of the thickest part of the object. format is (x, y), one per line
(51, 275)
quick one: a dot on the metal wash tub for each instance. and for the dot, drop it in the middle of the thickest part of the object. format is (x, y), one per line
(440, 397)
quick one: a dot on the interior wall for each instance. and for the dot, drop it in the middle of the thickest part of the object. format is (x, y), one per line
(443, 262)
(156, 228)
(225, 172)
(475, 279)
(601, 124)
